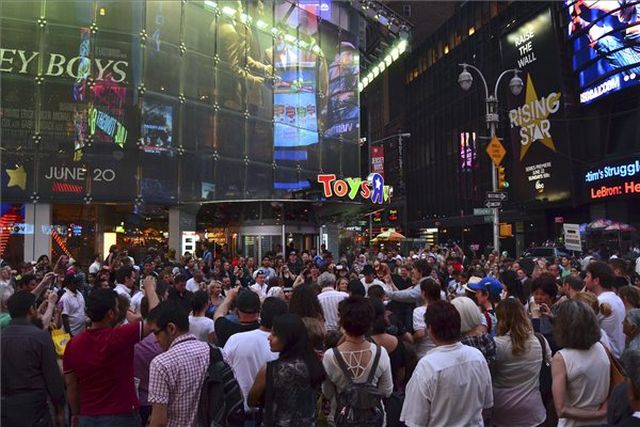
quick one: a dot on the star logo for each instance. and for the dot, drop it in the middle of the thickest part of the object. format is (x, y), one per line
(538, 126)
(17, 177)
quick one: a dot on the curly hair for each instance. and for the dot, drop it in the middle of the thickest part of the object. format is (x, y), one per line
(512, 319)
(575, 325)
(356, 315)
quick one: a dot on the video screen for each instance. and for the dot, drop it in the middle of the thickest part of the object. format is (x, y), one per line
(606, 45)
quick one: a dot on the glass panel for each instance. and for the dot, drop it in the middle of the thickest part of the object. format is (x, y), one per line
(70, 13)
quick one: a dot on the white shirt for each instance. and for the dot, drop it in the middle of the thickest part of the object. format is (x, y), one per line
(613, 323)
(192, 285)
(247, 353)
(95, 267)
(450, 387)
(329, 299)
(425, 344)
(136, 302)
(588, 374)
(123, 290)
(73, 307)
(201, 327)
(516, 385)
(261, 290)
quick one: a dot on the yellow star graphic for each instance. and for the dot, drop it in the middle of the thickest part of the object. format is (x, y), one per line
(535, 133)
(17, 177)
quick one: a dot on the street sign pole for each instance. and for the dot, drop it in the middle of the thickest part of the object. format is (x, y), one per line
(492, 118)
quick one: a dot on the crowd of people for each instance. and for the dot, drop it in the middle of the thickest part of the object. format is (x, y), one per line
(432, 337)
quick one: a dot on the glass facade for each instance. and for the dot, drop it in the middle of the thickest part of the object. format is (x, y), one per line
(167, 102)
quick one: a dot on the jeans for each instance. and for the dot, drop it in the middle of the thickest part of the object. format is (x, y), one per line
(132, 420)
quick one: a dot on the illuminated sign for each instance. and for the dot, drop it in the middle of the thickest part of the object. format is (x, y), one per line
(539, 168)
(613, 180)
(621, 171)
(107, 124)
(373, 188)
(604, 35)
(26, 62)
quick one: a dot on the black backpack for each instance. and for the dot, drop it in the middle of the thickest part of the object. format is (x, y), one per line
(359, 404)
(221, 403)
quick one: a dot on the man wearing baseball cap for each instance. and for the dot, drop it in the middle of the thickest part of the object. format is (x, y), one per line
(486, 293)
(247, 305)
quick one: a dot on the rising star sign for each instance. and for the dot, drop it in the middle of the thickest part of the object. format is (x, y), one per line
(531, 97)
(17, 177)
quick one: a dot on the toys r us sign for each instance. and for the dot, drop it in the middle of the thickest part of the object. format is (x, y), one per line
(373, 188)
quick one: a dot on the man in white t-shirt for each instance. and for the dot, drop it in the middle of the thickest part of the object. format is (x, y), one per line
(599, 280)
(260, 287)
(73, 308)
(369, 278)
(248, 352)
(125, 282)
(451, 384)
(194, 284)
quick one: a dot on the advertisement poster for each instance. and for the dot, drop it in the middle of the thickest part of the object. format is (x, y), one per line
(343, 112)
(377, 160)
(605, 36)
(540, 168)
(157, 127)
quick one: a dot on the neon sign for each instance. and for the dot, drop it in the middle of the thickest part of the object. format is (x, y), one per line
(372, 188)
(619, 171)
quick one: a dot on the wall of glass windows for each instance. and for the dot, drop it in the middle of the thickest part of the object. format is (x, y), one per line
(167, 102)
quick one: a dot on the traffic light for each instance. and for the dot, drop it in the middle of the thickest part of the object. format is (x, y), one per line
(502, 178)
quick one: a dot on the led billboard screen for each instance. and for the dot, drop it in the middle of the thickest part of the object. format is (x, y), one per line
(606, 45)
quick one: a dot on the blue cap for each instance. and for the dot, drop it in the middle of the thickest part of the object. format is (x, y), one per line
(493, 286)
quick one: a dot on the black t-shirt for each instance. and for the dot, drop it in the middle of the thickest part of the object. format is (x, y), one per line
(225, 328)
(184, 299)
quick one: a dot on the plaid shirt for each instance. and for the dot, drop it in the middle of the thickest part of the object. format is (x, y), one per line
(175, 379)
(485, 344)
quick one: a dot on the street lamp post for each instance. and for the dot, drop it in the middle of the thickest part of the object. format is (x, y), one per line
(465, 80)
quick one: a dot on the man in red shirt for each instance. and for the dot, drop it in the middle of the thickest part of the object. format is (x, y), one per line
(98, 364)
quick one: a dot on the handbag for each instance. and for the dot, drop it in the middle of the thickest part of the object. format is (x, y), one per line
(545, 369)
(616, 374)
(60, 339)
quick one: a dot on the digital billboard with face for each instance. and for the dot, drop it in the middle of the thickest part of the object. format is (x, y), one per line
(606, 45)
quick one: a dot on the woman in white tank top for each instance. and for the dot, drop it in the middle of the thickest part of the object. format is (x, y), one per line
(581, 369)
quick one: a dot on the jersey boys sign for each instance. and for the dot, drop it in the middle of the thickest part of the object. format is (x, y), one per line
(539, 168)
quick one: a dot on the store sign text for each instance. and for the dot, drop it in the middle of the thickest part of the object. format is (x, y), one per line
(65, 173)
(619, 171)
(22, 62)
(628, 187)
(373, 188)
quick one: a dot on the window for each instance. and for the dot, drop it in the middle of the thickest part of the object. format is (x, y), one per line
(406, 10)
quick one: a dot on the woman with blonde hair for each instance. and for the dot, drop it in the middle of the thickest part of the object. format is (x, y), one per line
(519, 355)
(215, 297)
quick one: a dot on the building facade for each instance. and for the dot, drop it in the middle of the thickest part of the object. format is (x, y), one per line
(119, 118)
(576, 116)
